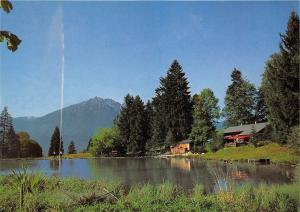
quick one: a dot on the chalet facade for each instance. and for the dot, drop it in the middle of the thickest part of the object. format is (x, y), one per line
(239, 135)
(181, 147)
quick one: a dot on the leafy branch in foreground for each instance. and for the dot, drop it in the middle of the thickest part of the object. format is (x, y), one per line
(11, 39)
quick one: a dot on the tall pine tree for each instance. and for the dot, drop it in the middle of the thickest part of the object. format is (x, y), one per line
(123, 119)
(158, 128)
(261, 110)
(9, 141)
(72, 148)
(54, 144)
(239, 101)
(133, 124)
(149, 120)
(173, 106)
(280, 84)
(138, 127)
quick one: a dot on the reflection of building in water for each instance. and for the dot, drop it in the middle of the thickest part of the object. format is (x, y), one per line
(183, 164)
(239, 175)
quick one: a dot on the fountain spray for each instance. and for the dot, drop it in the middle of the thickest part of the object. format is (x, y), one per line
(62, 82)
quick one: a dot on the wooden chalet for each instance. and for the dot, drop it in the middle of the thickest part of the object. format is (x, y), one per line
(240, 135)
(181, 147)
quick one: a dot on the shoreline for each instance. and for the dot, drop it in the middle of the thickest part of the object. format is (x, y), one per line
(270, 154)
(195, 156)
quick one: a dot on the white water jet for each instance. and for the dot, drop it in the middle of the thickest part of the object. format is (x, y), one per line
(62, 79)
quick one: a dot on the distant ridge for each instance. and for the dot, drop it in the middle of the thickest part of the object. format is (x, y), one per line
(80, 121)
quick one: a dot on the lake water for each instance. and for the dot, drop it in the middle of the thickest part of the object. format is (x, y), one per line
(180, 171)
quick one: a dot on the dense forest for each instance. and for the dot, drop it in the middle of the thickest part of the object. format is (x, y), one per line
(174, 114)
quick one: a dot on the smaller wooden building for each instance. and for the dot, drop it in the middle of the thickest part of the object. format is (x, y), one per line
(181, 147)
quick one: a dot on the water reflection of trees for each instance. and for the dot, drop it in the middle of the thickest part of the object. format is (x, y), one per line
(55, 164)
(228, 175)
(8, 165)
(183, 172)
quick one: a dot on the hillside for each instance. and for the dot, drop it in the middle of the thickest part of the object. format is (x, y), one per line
(79, 122)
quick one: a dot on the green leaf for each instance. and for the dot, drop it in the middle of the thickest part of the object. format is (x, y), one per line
(12, 40)
(6, 5)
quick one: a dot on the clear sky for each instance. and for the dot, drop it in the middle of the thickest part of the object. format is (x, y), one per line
(115, 48)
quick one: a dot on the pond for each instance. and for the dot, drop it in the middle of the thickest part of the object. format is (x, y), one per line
(180, 171)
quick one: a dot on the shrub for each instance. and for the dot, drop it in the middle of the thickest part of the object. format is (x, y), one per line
(8, 200)
(106, 140)
(294, 137)
(216, 143)
(263, 143)
(213, 146)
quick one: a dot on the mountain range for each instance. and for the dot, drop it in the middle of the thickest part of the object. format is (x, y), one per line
(80, 122)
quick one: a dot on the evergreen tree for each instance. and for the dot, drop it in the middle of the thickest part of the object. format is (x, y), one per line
(14, 144)
(123, 120)
(206, 112)
(9, 141)
(54, 145)
(280, 84)
(173, 106)
(89, 145)
(239, 101)
(261, 110)
(133, 125)
(72, 148)
(149, 121)
(170, 139)
(158, 129)
(138, 127)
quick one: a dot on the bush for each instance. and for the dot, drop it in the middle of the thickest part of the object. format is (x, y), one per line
(199, 149)
(106, 140)
(29, 147)
(263, 143)
(216, 143)
(294, 137)
(213, 146)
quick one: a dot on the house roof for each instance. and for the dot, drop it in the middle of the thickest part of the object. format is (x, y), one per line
(246, 129)
(184, 142)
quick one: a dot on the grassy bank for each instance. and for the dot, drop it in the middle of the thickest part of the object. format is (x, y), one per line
(81, 155)
(273, 151)
(78, 155)
(56, 194)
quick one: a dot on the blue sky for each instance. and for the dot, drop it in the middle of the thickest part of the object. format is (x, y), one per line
(115, 48)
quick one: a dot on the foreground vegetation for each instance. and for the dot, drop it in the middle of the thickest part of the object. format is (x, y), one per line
(275, 152)
(50, 194)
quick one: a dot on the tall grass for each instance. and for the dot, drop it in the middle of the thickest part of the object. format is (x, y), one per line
(71, 194)
(25, 183)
